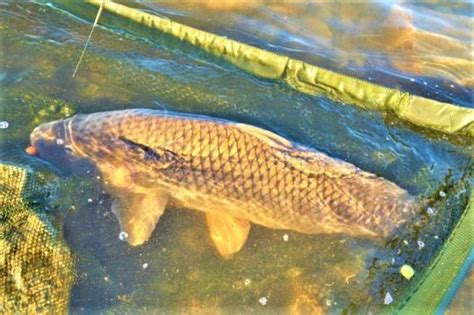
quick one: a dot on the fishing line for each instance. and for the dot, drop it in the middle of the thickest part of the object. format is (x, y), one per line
(89, 38)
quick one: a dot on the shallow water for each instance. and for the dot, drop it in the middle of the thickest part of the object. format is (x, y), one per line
(178, 269)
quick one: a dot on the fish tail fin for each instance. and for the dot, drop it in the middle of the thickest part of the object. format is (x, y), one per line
(373, 206)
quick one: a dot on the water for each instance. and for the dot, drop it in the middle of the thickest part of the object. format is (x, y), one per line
(276, 270)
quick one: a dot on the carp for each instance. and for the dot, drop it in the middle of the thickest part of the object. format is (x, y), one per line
(235, 173)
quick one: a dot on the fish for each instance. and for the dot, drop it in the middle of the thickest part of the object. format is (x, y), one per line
(237, 174)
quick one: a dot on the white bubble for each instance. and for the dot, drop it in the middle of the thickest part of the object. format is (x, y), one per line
(263, 300)
(421, 244)
(145, 265)
(59, 141)
(89, 200)
(4, 124)
(328, 302)
(442, 194)
(123, 236)
(286, 237)
(247, 282)
(430, 210)
(388, 299)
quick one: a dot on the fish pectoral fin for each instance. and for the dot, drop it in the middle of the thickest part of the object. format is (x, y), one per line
(138, 214)
(228, 233)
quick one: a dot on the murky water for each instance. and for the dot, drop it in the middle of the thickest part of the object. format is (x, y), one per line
(179, 269)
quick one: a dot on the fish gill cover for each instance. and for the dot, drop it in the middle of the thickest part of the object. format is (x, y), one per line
(178, 269)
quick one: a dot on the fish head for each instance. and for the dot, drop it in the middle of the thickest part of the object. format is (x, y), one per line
(54, 142)
(102, 140)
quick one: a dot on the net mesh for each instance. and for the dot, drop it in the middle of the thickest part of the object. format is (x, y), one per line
(36, 267)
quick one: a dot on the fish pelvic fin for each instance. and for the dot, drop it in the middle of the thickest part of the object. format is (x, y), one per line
(228, 233)
(138, 214)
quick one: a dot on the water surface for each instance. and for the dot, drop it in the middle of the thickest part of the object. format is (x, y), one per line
(178, 269)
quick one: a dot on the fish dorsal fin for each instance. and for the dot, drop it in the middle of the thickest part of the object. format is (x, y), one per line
(266, 136)
(138, 214)
(314, 163)
(228, 233)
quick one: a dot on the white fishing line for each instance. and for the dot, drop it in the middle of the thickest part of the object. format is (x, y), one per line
(89, 38)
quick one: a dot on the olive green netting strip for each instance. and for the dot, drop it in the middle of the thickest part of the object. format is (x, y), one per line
(308, 78)
(427, 296)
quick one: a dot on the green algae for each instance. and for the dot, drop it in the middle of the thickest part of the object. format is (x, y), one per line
(31, 109)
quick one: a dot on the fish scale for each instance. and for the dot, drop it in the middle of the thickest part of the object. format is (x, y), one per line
(241, 176)
(241, 170)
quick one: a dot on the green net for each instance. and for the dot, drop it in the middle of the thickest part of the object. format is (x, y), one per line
(314, 80)
(36, 267)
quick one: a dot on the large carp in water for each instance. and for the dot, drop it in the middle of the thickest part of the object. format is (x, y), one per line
(235, 173)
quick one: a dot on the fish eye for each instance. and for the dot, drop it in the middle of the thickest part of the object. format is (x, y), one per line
(68, 148)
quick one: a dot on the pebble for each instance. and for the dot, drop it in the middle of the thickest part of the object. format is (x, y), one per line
(388, 299)
(145, 265)
(442, 194)
(430, 211)
(407, 271)
(247, 282)
(89, 200)
(4, 124)
(286, 237)
(263, 301)
(123, 235)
